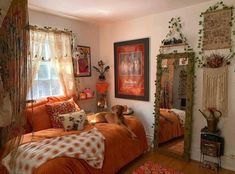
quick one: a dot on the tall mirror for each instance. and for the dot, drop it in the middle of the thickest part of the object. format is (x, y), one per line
(174, 103)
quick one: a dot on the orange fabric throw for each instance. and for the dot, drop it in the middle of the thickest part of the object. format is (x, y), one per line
(88, 145)
(102, 87)
(120, 149)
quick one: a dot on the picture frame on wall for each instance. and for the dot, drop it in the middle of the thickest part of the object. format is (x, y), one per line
(217, 30)
(82, 61)
(131, 71)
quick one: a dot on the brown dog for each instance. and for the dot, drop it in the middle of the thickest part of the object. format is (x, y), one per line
(114, 117)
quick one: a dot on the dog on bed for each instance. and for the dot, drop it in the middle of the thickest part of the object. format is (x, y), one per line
(114, 117)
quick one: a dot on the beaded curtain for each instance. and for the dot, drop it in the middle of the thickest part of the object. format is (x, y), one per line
(13, 63)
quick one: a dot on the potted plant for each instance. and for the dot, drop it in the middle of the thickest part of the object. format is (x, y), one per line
(101, 69)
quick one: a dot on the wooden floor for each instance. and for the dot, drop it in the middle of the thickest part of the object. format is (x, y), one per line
(166, 146)
(191, 167)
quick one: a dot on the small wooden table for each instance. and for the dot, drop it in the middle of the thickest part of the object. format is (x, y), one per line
(212, 144)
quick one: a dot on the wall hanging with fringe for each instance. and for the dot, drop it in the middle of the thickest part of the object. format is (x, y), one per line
(215, 88)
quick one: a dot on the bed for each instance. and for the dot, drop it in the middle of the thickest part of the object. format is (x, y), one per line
(171, 125)
(120, 149)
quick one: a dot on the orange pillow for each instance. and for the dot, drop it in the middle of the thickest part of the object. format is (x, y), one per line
(57, 98)
(38, 118)
(37, 103)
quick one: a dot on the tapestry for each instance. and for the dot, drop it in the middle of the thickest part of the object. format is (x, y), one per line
(217, 30)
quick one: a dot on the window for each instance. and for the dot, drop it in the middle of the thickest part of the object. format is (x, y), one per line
(50, 65)
(46, 82)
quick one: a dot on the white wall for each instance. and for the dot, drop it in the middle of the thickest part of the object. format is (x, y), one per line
(156, 27)
(87, 35)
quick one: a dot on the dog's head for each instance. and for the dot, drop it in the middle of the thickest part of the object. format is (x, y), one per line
(118, 109)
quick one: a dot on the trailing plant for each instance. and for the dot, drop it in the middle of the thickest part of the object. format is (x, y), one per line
(175, 36)
(175, 27)
(202, 58)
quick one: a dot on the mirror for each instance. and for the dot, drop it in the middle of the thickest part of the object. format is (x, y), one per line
(173, 103)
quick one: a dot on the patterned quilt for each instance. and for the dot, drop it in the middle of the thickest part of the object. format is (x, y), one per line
(88, 145)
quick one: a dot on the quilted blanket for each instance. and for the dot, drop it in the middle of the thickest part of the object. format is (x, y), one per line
(88, 145)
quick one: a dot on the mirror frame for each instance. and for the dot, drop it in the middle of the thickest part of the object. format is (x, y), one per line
(189, 103)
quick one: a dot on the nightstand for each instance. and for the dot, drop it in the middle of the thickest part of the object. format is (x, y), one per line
(212, 145)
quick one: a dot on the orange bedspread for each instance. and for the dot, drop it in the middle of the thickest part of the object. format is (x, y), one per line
(120, 149)
(169, 126)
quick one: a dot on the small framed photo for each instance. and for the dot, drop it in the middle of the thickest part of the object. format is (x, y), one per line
(131, 60)
(82, 61)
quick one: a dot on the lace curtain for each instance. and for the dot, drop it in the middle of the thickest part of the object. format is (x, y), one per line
(61, 45)
(37, 40)
(60, 53)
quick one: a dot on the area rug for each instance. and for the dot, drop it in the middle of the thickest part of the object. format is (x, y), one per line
(177, 147)
(150, 167)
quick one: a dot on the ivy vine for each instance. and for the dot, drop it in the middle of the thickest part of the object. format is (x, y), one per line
(201, 58)
(175, 29)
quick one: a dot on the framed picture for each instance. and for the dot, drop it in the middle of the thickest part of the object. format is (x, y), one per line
(82, 61)
(217, 30)
(131, 60)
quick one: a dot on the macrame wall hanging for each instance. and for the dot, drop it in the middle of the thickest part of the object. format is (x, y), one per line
(215, 88)
(216, 51)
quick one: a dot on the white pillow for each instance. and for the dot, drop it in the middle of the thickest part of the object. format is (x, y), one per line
(67, 121)
(73, 120)
(79, 120)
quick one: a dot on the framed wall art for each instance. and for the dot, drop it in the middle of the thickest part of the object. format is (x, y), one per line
(131, 60)
(82, 61)
(216, 36)
(217, 29)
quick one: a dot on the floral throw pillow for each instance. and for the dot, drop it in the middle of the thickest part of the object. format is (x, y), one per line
(54, 109)
(79, 120)
(73, 120)
(67, 121)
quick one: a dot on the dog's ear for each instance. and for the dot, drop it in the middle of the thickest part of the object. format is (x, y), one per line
(113, 107)
(116, 107)
(119, 109)
(125, 108)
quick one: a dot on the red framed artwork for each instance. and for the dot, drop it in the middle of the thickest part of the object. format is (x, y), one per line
(132, 69)
(82, 61)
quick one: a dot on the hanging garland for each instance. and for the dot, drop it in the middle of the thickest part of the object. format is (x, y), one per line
(66, 31)
(214, 60)
(175, 36)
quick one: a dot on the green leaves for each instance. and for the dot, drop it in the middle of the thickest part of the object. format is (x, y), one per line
(97, 69)
(218, 6)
